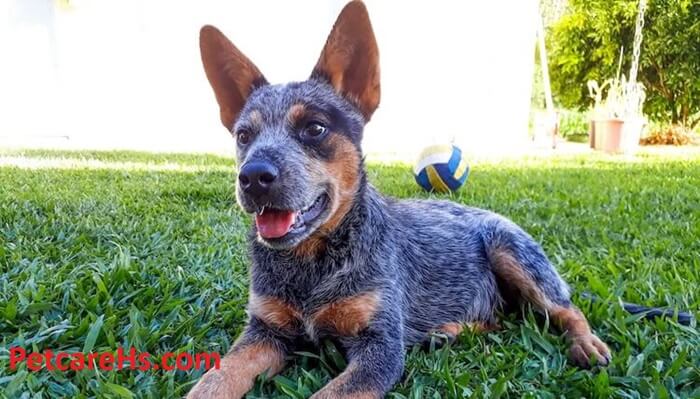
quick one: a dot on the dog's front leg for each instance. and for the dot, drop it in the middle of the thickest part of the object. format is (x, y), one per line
(375, 364)
(257, 351)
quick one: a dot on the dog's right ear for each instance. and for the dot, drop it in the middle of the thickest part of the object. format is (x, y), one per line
(231, 74)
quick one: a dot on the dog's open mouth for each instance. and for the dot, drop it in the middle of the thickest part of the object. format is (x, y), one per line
(276, 223)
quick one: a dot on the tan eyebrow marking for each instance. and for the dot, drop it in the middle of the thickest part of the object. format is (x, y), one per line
(256, 118)
(295, 113)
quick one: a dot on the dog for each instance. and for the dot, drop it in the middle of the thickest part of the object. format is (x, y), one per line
(332, 257)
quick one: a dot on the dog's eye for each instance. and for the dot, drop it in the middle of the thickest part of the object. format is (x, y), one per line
(243, 137)
(314, 130)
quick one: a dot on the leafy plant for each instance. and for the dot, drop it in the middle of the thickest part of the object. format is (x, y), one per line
(624, 99)
(584, 45)
(573, 125)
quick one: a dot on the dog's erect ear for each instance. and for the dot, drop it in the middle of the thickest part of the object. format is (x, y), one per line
(350, 59)
(231, 74)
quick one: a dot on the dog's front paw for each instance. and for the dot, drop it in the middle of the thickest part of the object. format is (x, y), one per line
(213, 385)
(589, 350)
(331, 394)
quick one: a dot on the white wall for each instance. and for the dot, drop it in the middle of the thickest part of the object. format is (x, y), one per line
(127, 73)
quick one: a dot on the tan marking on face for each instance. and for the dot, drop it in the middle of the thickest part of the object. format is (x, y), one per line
(256, 118)
(512, 272)
(348, 316)
(238, 371)
(295, 113)
(274, 312)
(343, 172)
(308, 248)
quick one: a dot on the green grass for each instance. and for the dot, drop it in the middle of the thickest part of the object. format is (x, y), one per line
(155, 258)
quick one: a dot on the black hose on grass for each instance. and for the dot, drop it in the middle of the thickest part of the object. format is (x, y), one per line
(650, 313)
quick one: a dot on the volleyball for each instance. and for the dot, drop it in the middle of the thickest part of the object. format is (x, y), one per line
(441, 168)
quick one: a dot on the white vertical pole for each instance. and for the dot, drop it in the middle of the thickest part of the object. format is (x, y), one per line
(552, 117)
(543, 60)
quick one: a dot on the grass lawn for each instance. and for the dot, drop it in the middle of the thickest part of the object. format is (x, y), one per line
(101, 250)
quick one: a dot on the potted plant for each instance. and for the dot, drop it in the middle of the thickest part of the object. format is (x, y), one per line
(635, 121)
(616, 117)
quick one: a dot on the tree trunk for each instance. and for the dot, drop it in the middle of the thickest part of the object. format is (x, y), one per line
(685, 114)
(674, 113)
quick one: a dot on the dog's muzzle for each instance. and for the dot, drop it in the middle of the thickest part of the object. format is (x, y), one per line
(257, 178)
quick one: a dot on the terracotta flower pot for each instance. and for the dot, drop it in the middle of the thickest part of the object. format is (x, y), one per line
(608, 135)
(631, 134)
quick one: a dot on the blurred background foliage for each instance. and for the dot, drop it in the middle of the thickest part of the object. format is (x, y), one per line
(584, 42)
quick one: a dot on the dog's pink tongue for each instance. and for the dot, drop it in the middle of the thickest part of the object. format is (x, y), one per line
(274, 223)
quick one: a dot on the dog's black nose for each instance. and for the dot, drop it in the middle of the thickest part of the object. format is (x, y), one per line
(256, 178)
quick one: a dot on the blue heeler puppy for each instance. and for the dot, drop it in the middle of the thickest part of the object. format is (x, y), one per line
(332, 257)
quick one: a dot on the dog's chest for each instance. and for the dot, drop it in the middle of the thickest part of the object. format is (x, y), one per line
(346, 316)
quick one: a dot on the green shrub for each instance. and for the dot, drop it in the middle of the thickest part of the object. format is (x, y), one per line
(585, 44)
(573, 124)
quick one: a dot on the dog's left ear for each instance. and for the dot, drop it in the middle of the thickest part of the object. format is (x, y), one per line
(350, 59)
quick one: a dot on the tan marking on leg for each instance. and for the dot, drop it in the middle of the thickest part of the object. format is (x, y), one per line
(331, 389)
(453, 329)
(238, 371)
(477, 327)
(274, 312)
(338, 387)
(570, 320)
(295, 113)
(482, 327)
(511, 271)
(327, 393)
(584, 344)
(348, 316)
(343, 172)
